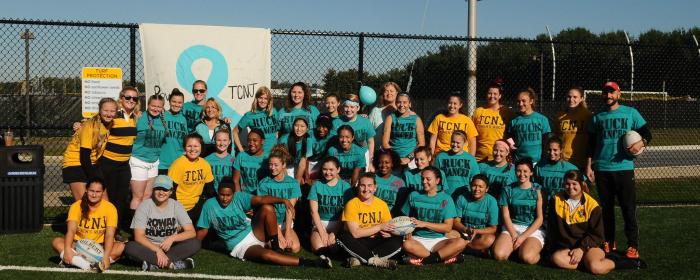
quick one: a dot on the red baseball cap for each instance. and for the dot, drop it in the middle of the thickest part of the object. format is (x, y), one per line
(612, 85)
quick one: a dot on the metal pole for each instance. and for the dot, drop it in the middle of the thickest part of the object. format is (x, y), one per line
(132, 58)
(631, 61)
(696, 44)
(471, 65)
(554, 63)
(541, 79)
(361, 57)
(26, 36)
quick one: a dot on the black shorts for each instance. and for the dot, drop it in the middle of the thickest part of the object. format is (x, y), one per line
(74, 174)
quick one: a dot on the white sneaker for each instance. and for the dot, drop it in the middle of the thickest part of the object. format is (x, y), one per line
(383, 263)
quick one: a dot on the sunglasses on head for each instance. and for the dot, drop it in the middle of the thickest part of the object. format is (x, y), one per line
(134, 98)
(199, 90)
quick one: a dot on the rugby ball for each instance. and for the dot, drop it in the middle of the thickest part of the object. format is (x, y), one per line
(91, 250)
(630, 138)
(402, 225)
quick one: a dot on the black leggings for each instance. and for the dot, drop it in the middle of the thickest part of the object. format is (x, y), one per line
(366, 247)
(621, 184)
(117, 179)
(178, 251)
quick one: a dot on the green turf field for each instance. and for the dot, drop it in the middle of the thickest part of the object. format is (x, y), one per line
(670, 256)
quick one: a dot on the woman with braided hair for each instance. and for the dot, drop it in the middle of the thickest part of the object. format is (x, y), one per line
(151, 131)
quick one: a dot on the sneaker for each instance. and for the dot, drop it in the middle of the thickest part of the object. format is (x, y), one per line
(352, 262)
(148, 267)
(413, 261)
(632, 253)
(327, 263)
(383, 263)
(459, 258)
(187, 263)
(61, 264)
(98, 267)
(607, 249)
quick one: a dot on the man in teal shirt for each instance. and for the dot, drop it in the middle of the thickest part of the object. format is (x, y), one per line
(611, 165)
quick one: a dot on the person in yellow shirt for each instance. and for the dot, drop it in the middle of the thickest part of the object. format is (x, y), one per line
(86, 146)
(571, 126)
(192, 177)
(490, 121)
(367, 236)
(445, 123)
(90, 218)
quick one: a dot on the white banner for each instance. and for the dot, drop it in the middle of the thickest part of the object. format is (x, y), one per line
(234, 61)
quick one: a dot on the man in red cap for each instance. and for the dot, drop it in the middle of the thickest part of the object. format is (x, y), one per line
(611, 165)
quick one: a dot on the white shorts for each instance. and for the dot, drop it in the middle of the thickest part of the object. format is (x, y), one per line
(538, 234)
(428, 243)
(141, 170)
(332, 226)
(290, 172)
(247, 242)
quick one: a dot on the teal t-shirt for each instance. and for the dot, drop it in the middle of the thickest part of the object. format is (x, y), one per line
(261, 120)
(413, 180)
(150, 137)
(220, 167)
(172, 148)
(459, 169)
(331, 200)
(320, 147)
(403, 134)
(610, 128)
(299, 147)
(361, 126)
(477, 213)
(193, 113)
(349, 160)
(288, 188)
(230, 223)
(432, 209)
(252, 169)
(527, 131)
(550, 175)
(522, 204)
(498, 176)
(388, 189)
(286, 119)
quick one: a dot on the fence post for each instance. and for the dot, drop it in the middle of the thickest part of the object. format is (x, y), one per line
(361, 57)
(132, 58)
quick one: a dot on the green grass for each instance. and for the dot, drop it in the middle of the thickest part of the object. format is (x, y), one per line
(670, 256)
(675, 136)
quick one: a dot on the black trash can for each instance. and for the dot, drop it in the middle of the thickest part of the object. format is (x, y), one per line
(21, 189)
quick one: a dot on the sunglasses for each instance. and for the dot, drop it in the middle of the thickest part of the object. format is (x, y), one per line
(134, 98)
(199, 90)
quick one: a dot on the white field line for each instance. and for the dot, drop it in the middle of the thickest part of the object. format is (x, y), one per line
(136, 273)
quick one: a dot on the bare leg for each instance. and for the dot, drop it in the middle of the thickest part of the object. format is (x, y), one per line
(482, 241)
(58, 244)
(137, 188)
(503, 247)
(265, 222)
(529, 251)
(316, 242)
(77, 189)
(294, 238)
(562, 259)
(260, 254)
(595, 261)
(450, 247)
(415, 248)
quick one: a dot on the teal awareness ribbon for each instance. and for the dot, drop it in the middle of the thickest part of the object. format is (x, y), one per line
(217, 78)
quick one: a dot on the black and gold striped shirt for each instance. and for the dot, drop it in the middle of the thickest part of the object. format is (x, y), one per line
(121, 137)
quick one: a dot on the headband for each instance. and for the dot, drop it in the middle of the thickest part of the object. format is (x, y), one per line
(351, 103)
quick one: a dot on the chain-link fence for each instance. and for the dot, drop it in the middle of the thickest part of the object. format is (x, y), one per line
(40, 64)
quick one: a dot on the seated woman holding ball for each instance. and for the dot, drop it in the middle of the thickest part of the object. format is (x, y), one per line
(367, 237)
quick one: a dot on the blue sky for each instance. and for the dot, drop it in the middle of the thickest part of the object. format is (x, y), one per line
(496, 18)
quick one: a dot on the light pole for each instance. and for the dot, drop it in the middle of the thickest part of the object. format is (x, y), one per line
(26, 36)
(471, 59)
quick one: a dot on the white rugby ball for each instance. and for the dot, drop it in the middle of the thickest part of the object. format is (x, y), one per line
(630, 138)
(402, 225)
(91, 250)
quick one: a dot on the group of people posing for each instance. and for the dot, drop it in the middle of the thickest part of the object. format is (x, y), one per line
(493, 184)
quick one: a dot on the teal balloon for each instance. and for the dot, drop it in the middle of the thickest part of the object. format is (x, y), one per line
(367, 95)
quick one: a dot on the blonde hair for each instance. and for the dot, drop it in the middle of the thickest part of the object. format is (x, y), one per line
(384, 86)
(216, 105)
(263, 90)
(96, 123)
(122, 93)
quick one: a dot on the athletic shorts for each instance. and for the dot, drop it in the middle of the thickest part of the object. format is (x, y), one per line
(428, 243)
(141, 170)
(332, 226)
(538, 234)
(247, 242)
(74, 174)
